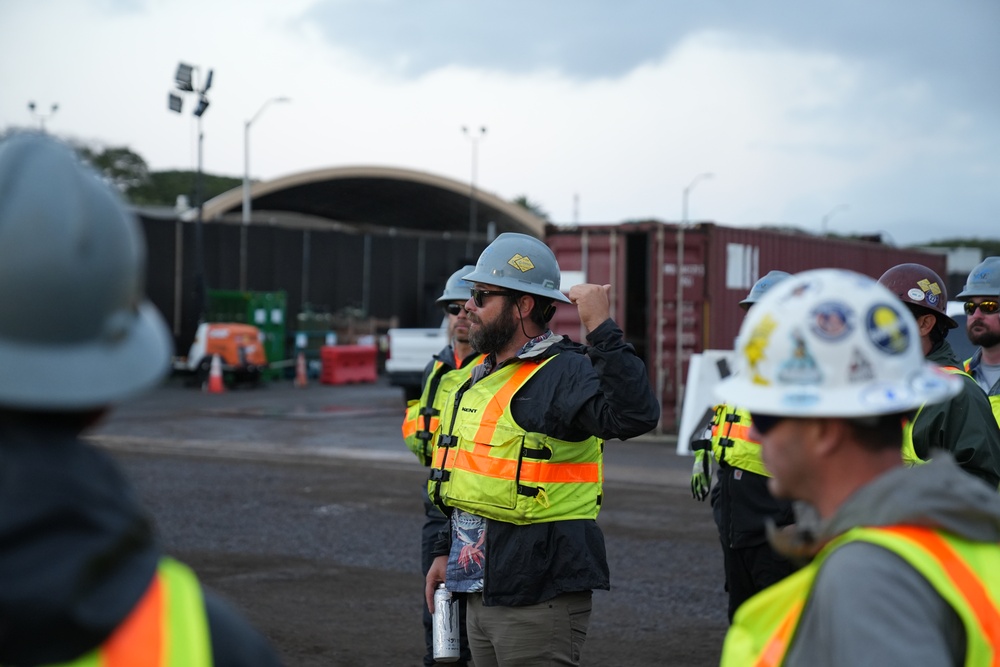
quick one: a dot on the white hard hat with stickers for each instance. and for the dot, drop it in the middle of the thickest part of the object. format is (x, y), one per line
(832, 343)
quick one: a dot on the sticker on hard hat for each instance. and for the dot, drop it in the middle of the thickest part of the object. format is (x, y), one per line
(926, 383)
(521, 263)
(887, 330)
(884, 395)
(832, 320)
(801, 368)
(800, 399)
(915, 294)
(753, 351)
(931, 291)
(860, 369)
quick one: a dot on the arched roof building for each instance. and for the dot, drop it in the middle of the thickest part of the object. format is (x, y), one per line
(370, 197)
(379, 241)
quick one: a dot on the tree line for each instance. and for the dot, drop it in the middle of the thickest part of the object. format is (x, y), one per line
(129, 173)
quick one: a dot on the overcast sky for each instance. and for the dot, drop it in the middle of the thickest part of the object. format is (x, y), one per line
(875, 115)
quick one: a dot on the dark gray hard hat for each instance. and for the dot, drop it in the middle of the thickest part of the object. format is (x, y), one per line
(76, 331)
(457, 288)
(519, 262)
(984, 280)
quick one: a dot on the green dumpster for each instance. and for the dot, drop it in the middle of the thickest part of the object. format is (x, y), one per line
(265, 310)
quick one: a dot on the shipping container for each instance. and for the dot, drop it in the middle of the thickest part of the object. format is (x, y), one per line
(718, 266)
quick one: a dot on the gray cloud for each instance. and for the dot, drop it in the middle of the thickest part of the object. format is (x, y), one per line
(953, 46)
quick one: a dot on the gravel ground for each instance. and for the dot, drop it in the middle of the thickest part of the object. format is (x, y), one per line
(321, 551)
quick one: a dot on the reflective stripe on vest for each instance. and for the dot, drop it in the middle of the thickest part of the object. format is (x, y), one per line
(962, 573)
(909, 452)
(168, 626)
(490, 466)
(731, 442)
(422, 422)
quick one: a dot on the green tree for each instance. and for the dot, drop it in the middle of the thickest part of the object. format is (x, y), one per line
(532, 206)
(120, 166)
(163, 187)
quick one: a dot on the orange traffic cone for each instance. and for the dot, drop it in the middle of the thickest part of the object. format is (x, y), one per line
(301, 376)
(215, 384)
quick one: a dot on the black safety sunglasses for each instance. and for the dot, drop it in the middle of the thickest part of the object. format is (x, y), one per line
(479, 294)
(986, 307)
(764, 423)
(453, 308)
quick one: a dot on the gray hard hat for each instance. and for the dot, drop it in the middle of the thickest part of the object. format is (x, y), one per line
(521, 263)
(760, 287)
(984, 280)
(77, 332)
(457, 288)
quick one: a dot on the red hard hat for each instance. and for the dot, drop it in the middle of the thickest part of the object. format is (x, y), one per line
(919, 286)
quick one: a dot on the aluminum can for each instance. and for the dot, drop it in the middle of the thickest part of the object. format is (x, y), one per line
(446, 629)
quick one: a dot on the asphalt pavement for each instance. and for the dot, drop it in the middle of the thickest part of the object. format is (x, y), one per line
(302, 507)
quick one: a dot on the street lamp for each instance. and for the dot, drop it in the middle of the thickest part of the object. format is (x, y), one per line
(474, 138)
(679, 370)
(832, 212)
(41, 116)
(186, 80)
(246, 188)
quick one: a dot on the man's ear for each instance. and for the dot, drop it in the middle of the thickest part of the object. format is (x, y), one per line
(926, 323)
(828, 434)
(525, 304)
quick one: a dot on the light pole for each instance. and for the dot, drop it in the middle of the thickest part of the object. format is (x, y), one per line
(679, 352)
(474, 138)
(829, 214)
(246, 189)
(186, 81)
(40, 115)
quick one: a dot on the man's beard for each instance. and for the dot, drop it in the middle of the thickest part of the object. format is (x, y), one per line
(983, 337)
(490, 338)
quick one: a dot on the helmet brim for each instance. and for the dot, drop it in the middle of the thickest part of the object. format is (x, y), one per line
(84, 377)
(928, 384)
(515, 284)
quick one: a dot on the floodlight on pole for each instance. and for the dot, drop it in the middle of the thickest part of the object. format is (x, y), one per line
(246, 187)
(40, 115)
(474, 137)
(679, 313)
(186, 80)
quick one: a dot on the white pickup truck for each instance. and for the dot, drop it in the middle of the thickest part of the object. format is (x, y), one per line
(410, 350)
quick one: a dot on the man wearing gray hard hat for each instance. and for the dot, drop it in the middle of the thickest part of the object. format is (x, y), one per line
(982, 305)
(421, 426)
(82, 578)
(518, 464)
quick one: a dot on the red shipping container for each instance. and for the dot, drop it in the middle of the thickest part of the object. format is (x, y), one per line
(719, 266)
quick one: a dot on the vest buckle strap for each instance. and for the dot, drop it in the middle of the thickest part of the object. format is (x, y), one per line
(428, 411)
(423, 435)
(447, 440)
(529, 491)
(541, 454)
(732, 418)
(725, 442)
(438, 475)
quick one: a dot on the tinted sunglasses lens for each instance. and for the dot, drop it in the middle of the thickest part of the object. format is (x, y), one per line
(764, 423)
(452, 308)
(986, 307)
(477, 297)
